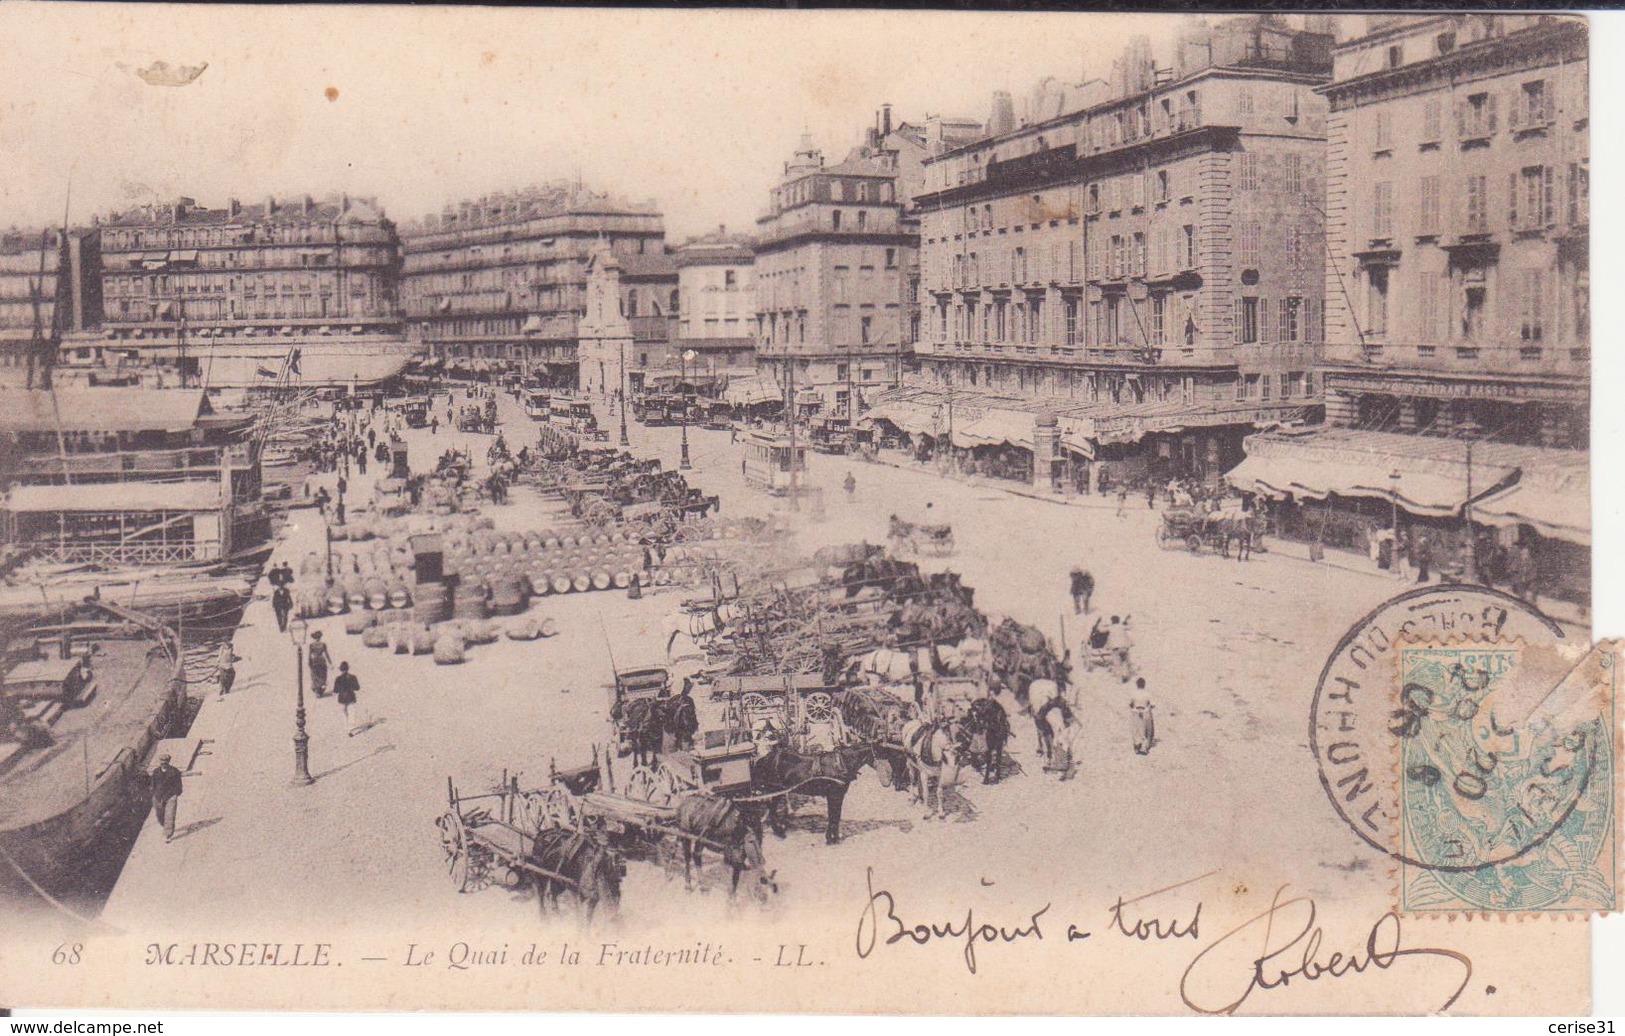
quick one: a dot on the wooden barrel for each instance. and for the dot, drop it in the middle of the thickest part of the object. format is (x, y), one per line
(602, 580)
(507, 593)
(359, 622)
(562, 584)
(337, 602)
(432, 603)
(375, 637)
(423, 641)
(449, 649)
(581, 581)
(469, 607)
(623, 579)
(399, 596)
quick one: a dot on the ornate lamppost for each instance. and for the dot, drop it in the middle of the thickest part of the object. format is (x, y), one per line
(684, 357)
(624, 440)
(297, 630)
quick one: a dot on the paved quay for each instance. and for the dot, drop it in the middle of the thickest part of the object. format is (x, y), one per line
(355, 858)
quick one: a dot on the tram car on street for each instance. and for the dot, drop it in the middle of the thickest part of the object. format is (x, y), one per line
(773, 463)
(415, 411)
(537, 403)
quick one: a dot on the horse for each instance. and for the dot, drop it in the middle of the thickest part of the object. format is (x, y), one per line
(641, 721)
(825, 775)
(1056, 738)
(930, 747)
(567, 859)
(710, 818)
(986, 720)
(1240, 529)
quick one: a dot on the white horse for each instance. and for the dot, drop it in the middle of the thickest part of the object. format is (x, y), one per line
(930, 747)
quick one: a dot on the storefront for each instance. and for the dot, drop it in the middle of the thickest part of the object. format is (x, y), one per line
(1508, 515)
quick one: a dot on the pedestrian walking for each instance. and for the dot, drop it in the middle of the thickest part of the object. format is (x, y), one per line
(1083, 588)
(344, 484)
(741, 466)
(1143, 719)
(347, 688)
(851, 485)
(434, 426)
(1122, 499)
(282, 605)
(226, 669)
(339, 510)
(1423, 551)
(1151, 495)
(319, 659)
(321, 500)
(166, 793)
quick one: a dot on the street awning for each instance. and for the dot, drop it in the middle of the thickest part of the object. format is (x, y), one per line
(1548, 489)
(1554, 504)
(996, 428)
(183, 255)
(907, 417)
(533, 323)
(127, 497)
(749, 391)
(1418, 492)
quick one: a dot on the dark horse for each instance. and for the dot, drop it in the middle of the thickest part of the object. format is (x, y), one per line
(986, 721)
(826, 775)
(567, 859)
(720, 822)
(640, 722)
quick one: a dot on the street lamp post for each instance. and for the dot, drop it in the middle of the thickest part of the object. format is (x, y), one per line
(683, 360)
(301, 740)
(624, 440)
(1393, 518)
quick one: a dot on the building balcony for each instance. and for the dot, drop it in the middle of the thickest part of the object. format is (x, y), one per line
(1517, 359)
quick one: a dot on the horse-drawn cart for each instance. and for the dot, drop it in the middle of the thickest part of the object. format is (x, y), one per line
(920, 537)
(1196, 529)
(496, 841)
(636, 710)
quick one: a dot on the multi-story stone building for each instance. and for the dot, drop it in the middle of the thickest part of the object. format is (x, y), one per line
(833, 253)
(505, 276)
(716, 281)
(1458, 315)
(233, 297)
(50, 285)
(1141, 259)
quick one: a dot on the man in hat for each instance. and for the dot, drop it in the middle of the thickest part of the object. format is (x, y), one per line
(347, 687)
(282, 605)
(1143, 719)
(683, 718)
(166, 791)
(319, 661)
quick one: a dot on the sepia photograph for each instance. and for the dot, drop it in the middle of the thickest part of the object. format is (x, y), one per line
(799, 512)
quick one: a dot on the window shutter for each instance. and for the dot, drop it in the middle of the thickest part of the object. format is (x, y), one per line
(1512, 210)
(1461, 119)
(1549, 195)
(1237, 328)
(1489, 114)
(1264, 322)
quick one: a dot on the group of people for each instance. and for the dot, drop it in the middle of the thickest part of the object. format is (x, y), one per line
(281, 579)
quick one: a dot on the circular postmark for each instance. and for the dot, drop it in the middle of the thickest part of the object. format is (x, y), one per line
(1448, 731)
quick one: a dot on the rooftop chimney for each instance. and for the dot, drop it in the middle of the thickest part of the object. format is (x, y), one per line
(307, 204)
(885, 121)
(1003, 117)
(233, 207)
(270, 205)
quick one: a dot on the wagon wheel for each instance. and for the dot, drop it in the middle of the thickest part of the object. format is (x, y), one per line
(753, 703)
(674, 781)
(1194, 543)
(559, 809)
(649, 785)
(467, 862)
(819, 706)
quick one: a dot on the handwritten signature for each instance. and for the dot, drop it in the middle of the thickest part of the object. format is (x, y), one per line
(1299, 957)
(1212, 982)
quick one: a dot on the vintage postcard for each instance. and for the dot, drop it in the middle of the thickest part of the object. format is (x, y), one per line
(863, 512)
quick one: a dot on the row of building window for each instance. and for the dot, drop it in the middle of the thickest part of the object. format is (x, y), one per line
(1533, 197)
(1455, 308)
(216, 237)
(1477, 114)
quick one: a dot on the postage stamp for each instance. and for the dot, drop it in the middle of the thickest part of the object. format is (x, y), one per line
(1471, 739)
(1506, 782)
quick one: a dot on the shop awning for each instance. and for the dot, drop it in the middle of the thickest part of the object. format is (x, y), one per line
(915, 420)
(127, 497)
(749, 391)
(533, 323)
(1547, 489)
(1554, 505)
(996, 428)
